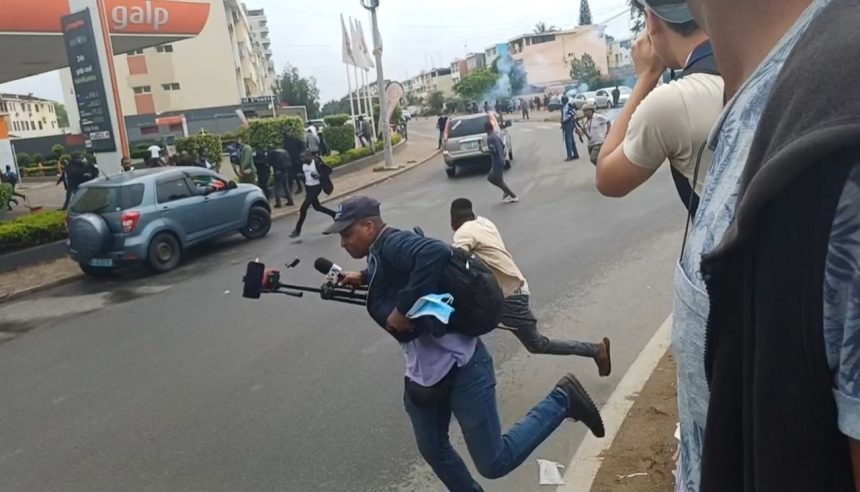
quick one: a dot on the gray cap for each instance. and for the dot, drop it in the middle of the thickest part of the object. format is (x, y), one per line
(671, 11)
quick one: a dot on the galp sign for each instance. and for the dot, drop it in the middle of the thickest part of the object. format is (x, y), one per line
(146, 15)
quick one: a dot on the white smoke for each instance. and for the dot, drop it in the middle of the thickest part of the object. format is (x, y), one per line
(503, 89)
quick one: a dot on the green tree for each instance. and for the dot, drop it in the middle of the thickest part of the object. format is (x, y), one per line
(584, 13)
(541, 28)
(296, 90)
(62, 115)
(436, 101)
(58, 150)
(637, 18)
(476, 84)
(585, 71)
(335, 106)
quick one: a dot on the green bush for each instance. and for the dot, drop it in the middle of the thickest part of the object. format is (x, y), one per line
(340, 138)
(269, 133)
(31, 230)
(66, 157)
(23, 159)
(58, 150)
(336, 119)
(195, 143)
(139, 154)
(353, 154)
(332, 160)
(5, 195)
(91, 158)
(39, 171)
(37, 157)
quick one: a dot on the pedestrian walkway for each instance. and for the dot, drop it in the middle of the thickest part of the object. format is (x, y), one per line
(27, 280)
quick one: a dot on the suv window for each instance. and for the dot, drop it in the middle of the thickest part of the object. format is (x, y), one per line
(100, 199)
(467, 126)
(205, 181)
(173, 189)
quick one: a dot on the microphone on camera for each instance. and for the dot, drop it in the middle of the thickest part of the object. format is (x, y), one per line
(333, 273)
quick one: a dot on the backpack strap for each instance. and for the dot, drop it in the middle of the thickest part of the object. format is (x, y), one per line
(702, 60)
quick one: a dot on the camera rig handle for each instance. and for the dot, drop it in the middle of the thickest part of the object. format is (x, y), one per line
(259, 281)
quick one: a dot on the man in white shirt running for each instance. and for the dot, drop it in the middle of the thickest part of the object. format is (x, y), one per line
(481, 237)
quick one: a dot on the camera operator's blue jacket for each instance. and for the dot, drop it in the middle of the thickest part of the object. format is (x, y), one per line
(401, 268)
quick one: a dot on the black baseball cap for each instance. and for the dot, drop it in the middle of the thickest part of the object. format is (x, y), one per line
(351, 211)
(671, 11)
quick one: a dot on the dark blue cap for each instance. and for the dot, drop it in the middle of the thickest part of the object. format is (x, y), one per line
(671, 11)
(351, 211)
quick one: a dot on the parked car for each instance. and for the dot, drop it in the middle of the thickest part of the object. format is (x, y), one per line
(623, 96)
(600, 98)
(554, 104)
(154, 215)
(465, 141)
(319, 124)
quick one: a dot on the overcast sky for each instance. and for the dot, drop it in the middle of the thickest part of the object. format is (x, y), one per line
(417, 34)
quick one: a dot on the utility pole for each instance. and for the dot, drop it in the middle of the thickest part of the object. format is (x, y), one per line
(372, 5)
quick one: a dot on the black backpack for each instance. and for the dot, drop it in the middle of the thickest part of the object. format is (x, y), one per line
(477, 295)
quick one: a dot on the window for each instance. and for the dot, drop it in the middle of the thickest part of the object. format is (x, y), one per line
(173, 86)
(142, 89)
(135, 52)
(100, 199)
(467, 127)
(173, 189)
(149, 130)
(167, 48)
(40, 126)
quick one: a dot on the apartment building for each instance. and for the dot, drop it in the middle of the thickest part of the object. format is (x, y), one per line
(28, 116)
(263, 44)
(227, 64)
(426, 83)
(459, 69)
(620, 58)
(547, 57)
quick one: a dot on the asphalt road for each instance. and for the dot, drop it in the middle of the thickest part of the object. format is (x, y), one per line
(177, 383)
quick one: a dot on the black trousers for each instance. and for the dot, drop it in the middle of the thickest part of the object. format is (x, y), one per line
(294, 176)
(282, 187)
(263, 181)
(312, 199)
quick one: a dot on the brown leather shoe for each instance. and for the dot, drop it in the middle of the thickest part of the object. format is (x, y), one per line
(603, 359)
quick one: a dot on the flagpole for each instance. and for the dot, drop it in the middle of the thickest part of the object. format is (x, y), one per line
(351, 105)
(370, 103)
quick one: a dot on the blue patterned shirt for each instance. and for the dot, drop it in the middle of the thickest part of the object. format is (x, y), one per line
(731, 141)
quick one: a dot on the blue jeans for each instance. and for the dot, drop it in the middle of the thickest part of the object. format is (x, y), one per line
(473, 403)
(569, 142)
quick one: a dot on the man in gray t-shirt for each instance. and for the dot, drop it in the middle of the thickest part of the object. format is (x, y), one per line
(596, 127)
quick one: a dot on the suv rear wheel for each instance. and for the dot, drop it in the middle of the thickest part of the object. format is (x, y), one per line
(451, 171)
(259, 223)
(164, 253)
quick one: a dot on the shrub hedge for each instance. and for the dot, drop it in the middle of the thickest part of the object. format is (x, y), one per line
(32, 230)
(353, 154)
(23, 159)
(269, 133)
(336, 119)
(340, 138)
(195, 143)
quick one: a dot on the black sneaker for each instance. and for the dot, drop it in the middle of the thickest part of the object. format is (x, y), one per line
(295, 234)
(581, 408)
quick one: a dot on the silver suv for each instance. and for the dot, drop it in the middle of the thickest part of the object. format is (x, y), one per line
(466, 140)
(153, 215)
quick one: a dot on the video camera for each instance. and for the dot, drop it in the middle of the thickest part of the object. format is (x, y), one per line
(260, 281)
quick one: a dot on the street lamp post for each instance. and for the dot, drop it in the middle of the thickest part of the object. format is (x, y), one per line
(372, 5)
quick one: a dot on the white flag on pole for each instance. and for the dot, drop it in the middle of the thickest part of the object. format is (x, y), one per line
(348, 54)
(360, 61)
(362, 47)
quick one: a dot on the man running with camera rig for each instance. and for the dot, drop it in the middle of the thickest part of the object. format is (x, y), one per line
(450, 373)
(480, 236)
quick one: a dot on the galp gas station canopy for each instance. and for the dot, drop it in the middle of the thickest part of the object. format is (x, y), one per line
(31, 40)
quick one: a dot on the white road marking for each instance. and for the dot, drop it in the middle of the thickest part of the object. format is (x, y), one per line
(583, 468)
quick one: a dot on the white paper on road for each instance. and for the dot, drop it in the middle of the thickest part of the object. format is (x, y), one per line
(549, 472)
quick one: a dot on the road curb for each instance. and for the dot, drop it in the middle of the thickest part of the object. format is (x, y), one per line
(382, 177)
(579, 475)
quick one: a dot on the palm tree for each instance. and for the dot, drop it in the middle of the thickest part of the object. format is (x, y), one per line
(541, 28)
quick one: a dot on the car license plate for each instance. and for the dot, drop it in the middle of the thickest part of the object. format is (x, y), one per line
(101, 262)
(470, 145)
